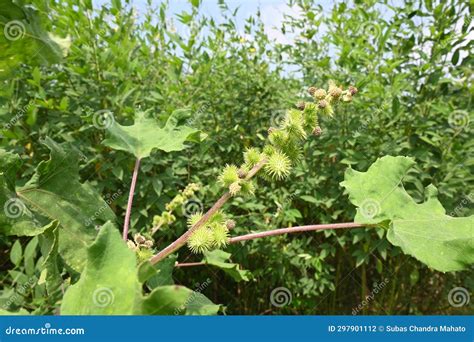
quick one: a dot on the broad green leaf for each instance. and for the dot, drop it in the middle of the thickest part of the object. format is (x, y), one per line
(422, 230)
(15, 217)
(177, 300)
(145, 135)
(220, 259)
(159, 274)
(23, 39)
(109, 283)
(55, 192)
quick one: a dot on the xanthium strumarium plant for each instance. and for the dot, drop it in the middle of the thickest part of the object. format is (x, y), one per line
(282, 151)
(70, 244)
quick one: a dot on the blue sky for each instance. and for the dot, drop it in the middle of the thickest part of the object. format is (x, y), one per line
(272, 11)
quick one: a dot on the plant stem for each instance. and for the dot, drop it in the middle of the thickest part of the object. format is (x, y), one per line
(130, 199)
(296, 229)
(181, 241)
(188, 264)
(280, 231)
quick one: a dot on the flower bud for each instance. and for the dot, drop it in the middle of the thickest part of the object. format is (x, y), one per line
(131, 244)
(317, 131)
(335, 92)
(139, 239)
(347, 98)
(312, 90)
(322, 104)
(230, 224)
(352, 90)
(301, 105)
(320, 94)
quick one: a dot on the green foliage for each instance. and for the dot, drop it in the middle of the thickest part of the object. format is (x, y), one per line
(422, 230)
(145, 135)
(177, 300)
(16, 218)
(78, 210)
(23, 39)
(220, 259)
(160, 274)
(110, 285)
(409, 61)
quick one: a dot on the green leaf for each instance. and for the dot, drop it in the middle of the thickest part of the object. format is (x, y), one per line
(15, 218)
(49, 245)
(29, 256)
(145, 135)
(159, 274)
(219, 259)
(109, 284)
(23, 39)
(16, 253)
(422, 230)
(21, 312)
(55, 192)
(309, 199)
(177, 300)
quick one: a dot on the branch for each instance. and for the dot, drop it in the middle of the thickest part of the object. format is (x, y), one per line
(181, 241)
(130, 199)
(189, 264)
(281, 231)
(296, 229)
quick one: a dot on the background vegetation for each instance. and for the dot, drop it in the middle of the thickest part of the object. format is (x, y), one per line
(411, 61)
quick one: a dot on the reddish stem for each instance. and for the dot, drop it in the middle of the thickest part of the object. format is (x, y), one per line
(189, 264)
(281, 231)
(295, 230)
(181, 241)
(130, 199)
